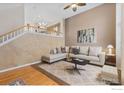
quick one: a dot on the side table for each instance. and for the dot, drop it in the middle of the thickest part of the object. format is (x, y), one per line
(110, 59)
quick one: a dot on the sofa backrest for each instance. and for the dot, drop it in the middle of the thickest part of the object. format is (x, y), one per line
(89, 50)
(84, 50)
(95, 51)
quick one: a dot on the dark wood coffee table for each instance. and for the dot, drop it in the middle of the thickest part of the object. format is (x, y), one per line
(77, 62)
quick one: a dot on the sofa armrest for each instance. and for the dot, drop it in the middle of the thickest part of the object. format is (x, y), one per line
(102, 58)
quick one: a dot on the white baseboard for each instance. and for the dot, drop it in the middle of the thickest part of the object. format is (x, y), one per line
(9, 69)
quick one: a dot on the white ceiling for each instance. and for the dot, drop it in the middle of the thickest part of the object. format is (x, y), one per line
(52, 12)
(4, 6)
(49, 12)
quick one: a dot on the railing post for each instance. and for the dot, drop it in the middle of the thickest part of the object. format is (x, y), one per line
(14, 34)
(11, 35)
(3, 39)
(7, 37)
(17, 33)
(28, 26)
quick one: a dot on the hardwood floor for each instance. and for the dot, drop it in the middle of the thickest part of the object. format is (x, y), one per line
(29, 75)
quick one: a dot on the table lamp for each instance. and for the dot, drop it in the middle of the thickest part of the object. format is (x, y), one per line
(110, 49)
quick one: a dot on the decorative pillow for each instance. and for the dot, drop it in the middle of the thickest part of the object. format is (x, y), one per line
(67, 49)
(75, 51)
(72, 47)
(63, 50)
(84, 50)
(95, 51)
(57, 50)
(51, 51)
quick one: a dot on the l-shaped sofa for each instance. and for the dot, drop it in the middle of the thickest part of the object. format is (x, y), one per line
(92, 53)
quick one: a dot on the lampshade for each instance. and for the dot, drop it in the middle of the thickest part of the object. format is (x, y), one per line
(110, 46)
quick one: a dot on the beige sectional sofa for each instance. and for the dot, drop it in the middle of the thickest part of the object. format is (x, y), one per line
(50, 58)
(92, 53)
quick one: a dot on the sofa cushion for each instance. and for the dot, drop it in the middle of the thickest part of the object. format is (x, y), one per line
(75, 51)
(52, 51)
(55, 51)
(67, 49)
(84, 50)
(73, 47)
(59, 50)
(63, 49)
(54, 56)
(95, 51)
(91, 58)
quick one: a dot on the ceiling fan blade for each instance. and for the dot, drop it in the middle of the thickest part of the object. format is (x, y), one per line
(81, 4)
(67, 6)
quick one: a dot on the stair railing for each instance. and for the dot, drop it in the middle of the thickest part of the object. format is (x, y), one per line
(12, 34)
(4, 38)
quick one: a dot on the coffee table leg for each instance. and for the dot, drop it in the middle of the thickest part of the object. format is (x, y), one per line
(75, 68)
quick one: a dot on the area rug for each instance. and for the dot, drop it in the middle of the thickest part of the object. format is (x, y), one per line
(59, 70)
(17, 82)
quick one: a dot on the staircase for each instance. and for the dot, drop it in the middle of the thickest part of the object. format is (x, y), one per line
(10, 36)
(25, 45)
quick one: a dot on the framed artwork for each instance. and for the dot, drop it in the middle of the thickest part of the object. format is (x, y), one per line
(86, 36)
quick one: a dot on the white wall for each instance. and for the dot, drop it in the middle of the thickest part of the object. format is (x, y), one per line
(122, 46)
(35, 13)
(11, 16)
(118, 36)
(51, 13)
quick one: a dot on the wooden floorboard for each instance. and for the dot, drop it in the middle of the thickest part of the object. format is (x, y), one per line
(29, 75)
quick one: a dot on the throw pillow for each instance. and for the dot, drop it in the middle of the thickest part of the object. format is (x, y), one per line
(84, 50)
(71, 48)
(51, 51)
(63, 49)
(95, 51)
(57, 50)
(75, 51)
(67, 49)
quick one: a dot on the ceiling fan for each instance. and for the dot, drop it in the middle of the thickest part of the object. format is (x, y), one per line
(74, 6)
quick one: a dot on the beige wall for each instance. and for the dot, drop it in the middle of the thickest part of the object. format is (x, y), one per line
(51, 28)
(11, 17)
(27, 49)
(102, 18)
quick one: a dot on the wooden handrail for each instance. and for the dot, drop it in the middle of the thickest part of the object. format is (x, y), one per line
(12, 31)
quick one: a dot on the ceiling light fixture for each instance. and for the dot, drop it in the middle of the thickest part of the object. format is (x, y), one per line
(74, 7)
